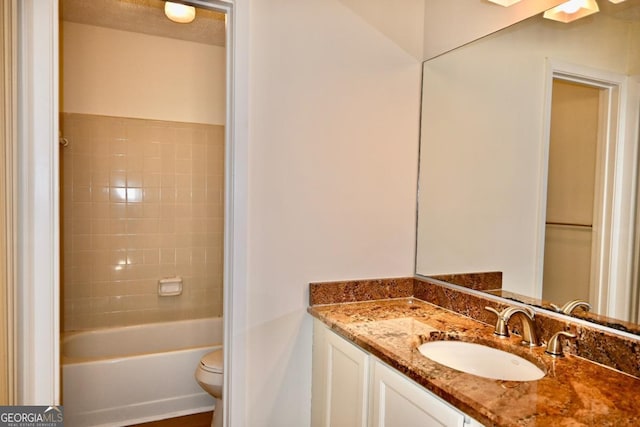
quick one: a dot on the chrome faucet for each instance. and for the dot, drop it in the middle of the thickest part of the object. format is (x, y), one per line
(572, 305)
(529, 336)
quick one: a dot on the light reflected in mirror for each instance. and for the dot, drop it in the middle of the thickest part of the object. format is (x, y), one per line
(503, 169)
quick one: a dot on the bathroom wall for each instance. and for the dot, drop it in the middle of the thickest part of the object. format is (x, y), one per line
(124, 74)
(449, 24)
(634, 51)
(402, 25)
(333, 157)
(141, 200)
(142, 176)
(571, 190)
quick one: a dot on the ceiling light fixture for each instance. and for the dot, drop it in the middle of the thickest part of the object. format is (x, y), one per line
(505, 3)
(572, 10)
(616, 1)
(180, 13)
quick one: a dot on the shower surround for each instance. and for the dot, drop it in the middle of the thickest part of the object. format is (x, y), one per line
(141, 200)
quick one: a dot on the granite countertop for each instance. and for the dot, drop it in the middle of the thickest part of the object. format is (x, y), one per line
(574, 392)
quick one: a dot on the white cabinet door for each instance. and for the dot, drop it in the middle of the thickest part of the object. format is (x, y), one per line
(340, 381)
(344, 394)
(399, 402)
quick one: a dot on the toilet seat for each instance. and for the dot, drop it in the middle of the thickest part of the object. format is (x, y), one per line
(212, 362)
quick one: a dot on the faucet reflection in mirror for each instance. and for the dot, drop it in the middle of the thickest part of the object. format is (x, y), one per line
(572, 305)
(482, 186)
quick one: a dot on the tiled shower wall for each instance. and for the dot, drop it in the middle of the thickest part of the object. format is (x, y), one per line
(141, 200)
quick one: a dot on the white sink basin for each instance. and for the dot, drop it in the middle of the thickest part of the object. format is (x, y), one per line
(481, 360)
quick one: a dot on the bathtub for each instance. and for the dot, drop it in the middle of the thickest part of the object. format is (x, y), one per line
(134, 374)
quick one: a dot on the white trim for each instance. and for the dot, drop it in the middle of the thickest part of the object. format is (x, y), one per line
(237, 231)
(236, 179)
(615, 199)
(633, 130)
(38, 323)
(542, 188)
(235, 408)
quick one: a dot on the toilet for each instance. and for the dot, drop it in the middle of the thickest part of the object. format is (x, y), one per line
(209, 377)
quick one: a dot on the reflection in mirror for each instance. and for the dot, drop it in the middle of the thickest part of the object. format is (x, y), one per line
(573, 179)
(528, 162)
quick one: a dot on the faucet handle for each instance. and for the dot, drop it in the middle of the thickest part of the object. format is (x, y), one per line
(553, 346)
(501, 325)
(493, 310)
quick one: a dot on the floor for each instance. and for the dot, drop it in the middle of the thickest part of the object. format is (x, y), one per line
(196, 420)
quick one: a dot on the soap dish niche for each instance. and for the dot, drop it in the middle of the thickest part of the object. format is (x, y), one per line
(170, 286)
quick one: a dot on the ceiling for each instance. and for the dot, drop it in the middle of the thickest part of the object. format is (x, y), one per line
(628, 10)
(145, 16)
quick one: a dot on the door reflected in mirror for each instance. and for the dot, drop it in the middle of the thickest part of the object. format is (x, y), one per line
(495, 193)
(574, 173)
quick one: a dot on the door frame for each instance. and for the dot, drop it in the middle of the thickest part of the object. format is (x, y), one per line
(634, 107)
(614, 204)
(38, 300)
(8, 193)
(38, 253)
(235, 218)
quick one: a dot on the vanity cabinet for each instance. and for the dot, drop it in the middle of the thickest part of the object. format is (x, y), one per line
(352, 388)
(340, 381)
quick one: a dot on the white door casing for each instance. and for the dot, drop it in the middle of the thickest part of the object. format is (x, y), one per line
(615, 191)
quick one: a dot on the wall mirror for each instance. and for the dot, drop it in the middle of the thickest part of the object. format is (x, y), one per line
(528, 163)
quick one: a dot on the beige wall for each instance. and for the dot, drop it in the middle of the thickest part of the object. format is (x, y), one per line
(571, 186)
(123, 74)
(571, 178)
(449, 24)
(334, 115)
(634, 52)
(141, 200)
(403, 25)
(427, 28)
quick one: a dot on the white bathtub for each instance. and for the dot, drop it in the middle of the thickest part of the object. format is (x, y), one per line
(134, 374)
